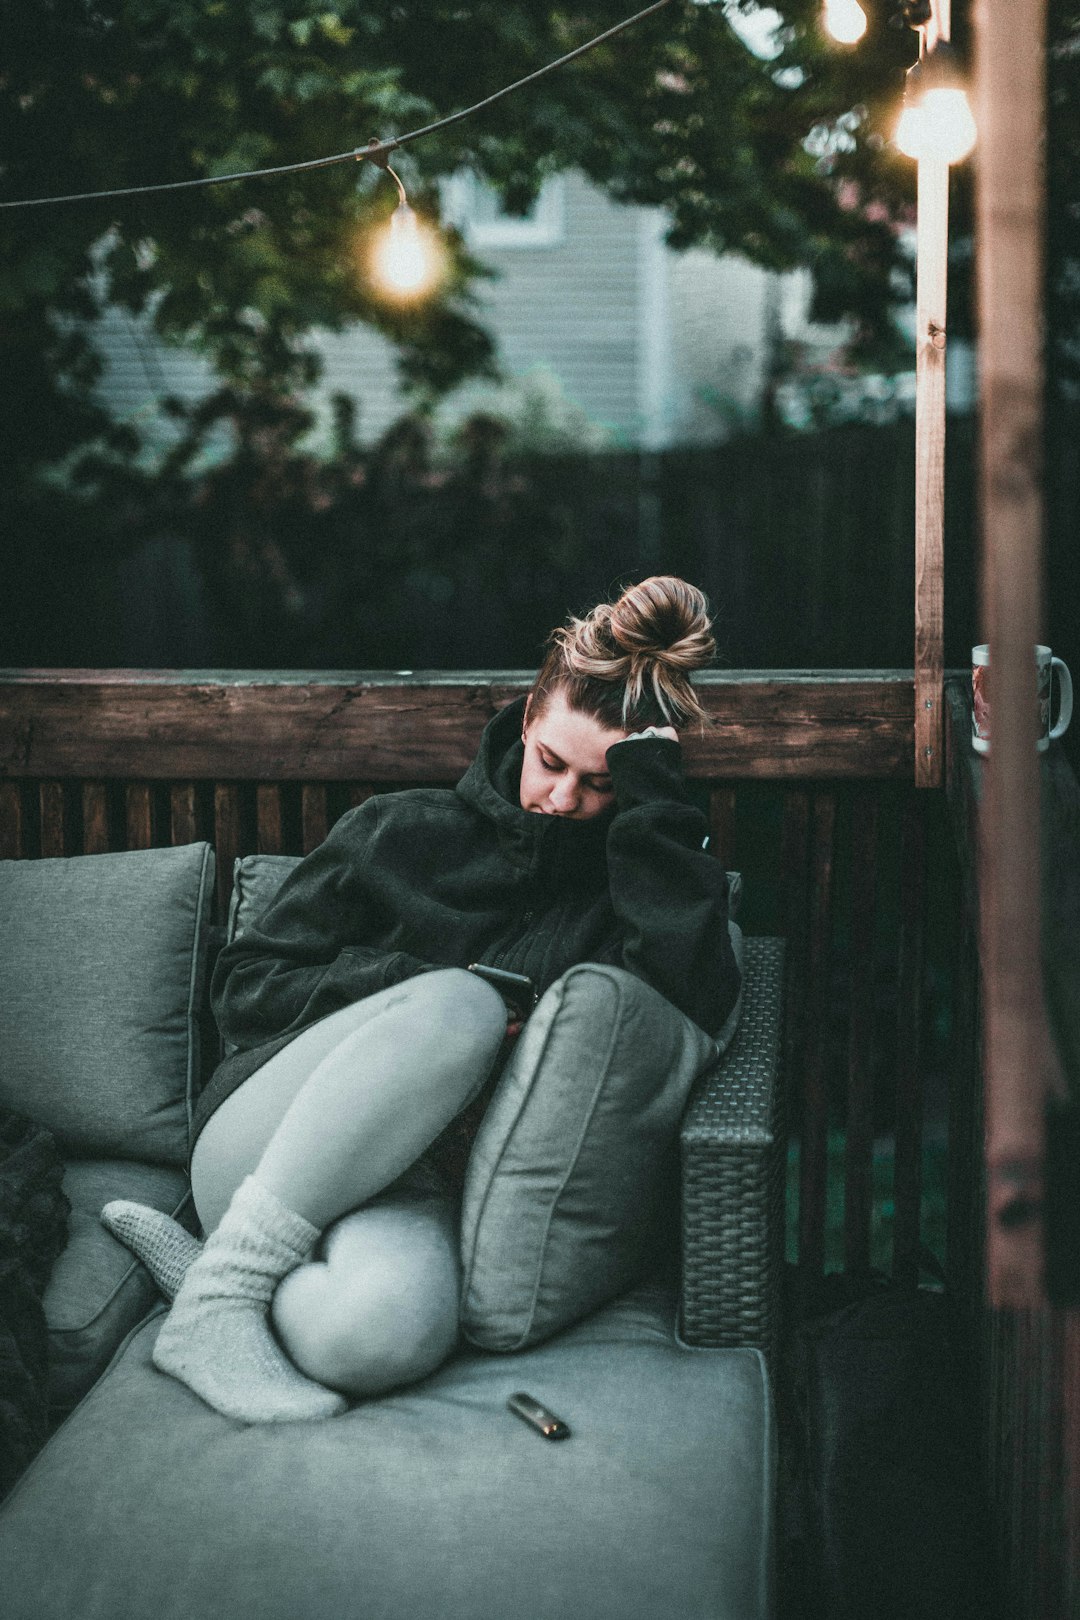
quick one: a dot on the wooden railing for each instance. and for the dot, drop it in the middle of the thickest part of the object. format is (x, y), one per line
(808, 777)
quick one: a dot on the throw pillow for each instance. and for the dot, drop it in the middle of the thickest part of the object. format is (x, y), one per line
(100, 982)
(567, 1170)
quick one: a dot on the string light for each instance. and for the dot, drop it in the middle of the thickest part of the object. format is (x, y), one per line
(936, 121)
(374, 150)
(407, 259)
(845, 20)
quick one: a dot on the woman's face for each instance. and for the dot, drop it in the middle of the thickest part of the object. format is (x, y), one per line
(565, 772)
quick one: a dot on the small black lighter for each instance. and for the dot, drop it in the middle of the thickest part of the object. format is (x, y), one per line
(543, 1421)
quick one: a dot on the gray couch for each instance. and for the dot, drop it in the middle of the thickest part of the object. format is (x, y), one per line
(433, 1500)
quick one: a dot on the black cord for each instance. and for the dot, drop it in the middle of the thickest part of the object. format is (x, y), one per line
(376, 150)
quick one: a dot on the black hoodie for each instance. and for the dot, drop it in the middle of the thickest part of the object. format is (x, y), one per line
(428, 878)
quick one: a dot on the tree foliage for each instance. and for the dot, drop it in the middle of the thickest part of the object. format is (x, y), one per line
(780, 158)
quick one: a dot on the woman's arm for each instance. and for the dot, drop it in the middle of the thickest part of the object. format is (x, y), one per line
(669, 894)
(303, 957)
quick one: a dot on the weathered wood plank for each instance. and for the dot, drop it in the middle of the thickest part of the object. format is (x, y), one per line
(53, 818)
(183, 813)
(313, 818)
(1071, 1450)
(907, 1170)
(95, 813)
(227, 841)
(814, 1141)
(359, 793)
(932, 263)
(722, 826)
(1011, 287)
(794, 861)
(318, 726)
(139, 815)
(12, 822)
(859, 1143)
(269, 825)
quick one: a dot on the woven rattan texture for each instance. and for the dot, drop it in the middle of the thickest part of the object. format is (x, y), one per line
(733, 1154)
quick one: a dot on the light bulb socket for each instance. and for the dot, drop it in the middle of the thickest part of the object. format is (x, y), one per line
(939, 69)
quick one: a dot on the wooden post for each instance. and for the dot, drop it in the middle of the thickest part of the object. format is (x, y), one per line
(1009, 213)
(931, 276)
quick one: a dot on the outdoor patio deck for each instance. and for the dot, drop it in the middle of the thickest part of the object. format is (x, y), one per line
(810, 784)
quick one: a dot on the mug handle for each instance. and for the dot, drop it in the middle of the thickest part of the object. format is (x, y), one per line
(1065, 697)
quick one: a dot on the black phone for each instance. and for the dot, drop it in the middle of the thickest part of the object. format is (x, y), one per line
(516, 989)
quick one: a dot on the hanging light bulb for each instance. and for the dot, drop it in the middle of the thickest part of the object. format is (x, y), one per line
(948, 127)
(909, 129)
(845, 20)
(407, 259)
(937, 121)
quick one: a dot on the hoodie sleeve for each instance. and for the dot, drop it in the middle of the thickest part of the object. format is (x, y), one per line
(305, 955)
(669, 894)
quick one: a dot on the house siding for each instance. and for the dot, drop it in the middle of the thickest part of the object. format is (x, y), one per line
(654, 347)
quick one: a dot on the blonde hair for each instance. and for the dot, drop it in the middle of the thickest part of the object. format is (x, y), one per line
(628, 663)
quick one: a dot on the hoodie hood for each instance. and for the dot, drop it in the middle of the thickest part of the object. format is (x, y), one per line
(492, 785)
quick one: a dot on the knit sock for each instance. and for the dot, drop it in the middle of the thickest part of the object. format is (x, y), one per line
(165, 1248)
(217, 1338)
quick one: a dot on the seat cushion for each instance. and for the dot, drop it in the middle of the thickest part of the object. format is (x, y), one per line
(97, 1292)
(433, 1501)
(100, 979)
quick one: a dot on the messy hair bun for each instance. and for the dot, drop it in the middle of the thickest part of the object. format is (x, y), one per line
(628, 663)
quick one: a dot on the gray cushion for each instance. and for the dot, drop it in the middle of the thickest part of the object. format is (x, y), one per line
(100, 980)
(430, 1502)
(256, 880)
(97, 1292)
(566, 1173)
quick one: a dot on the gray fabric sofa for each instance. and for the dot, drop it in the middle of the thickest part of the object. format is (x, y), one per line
(433, 1500)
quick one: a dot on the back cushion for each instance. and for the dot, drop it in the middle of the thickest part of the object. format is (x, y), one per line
(256, 880)
(101, 973)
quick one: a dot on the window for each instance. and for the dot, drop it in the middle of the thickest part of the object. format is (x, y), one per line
(477, 211)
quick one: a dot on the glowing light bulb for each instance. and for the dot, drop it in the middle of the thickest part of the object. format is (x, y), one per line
(936, 121)
(401, 263)
(845, 20)
(948, 126)
(909, 135)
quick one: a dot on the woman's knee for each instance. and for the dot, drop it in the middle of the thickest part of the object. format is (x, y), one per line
(381, 1309)
(457, 1000)
(462, 1019)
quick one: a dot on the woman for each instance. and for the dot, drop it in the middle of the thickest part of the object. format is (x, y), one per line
(361, 1036)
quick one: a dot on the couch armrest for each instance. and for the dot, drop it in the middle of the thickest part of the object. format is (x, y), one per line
(733, 1151)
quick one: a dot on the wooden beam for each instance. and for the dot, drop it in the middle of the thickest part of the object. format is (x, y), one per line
(931, 265)
(423, 727)
(1009, 214)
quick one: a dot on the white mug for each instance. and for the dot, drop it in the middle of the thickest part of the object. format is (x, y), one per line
(1045, 665)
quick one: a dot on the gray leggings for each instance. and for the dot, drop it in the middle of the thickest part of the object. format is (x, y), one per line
(334, 1124)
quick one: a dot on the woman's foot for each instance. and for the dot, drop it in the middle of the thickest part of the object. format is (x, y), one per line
(165, 1248)
(217, 1338)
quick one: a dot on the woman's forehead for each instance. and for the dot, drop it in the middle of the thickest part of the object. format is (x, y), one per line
(579, 739)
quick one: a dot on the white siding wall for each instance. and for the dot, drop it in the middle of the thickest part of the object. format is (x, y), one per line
(642, 340)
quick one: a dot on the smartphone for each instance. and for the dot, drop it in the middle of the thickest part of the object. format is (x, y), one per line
(516, 989)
